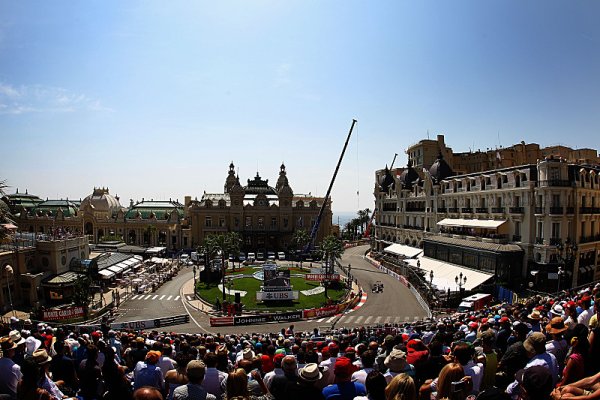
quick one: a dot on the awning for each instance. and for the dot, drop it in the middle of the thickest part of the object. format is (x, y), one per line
(106, 274)
(472, 223)
(9, 226)
(403, 250)
(444, 273)
(116, 269)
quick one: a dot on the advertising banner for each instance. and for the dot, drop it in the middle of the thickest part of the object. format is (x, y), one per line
(65, 313)
(282, 295)
(221, 321)
(322, 277)
(261, 319)
(320, 312)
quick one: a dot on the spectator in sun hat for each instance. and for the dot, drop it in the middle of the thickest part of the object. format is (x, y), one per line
(42, 359)
(534, 318)
(343, 388)
(307, 385)
(146, 373)
(535, 346)
(586, 314)
(31, 345)
(397, 364)
(557, 344)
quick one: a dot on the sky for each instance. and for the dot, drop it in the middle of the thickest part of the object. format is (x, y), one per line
(154, 99)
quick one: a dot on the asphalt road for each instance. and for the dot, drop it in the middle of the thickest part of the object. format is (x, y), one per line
(396, 304)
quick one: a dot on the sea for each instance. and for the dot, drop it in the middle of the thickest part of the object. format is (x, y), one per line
(342, 218)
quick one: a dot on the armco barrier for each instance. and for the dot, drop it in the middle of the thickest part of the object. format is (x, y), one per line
(221, 321)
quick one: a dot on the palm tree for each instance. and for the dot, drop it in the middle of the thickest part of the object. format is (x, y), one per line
(222, 244)
(301, 238)
(363, 219)
(331, 249)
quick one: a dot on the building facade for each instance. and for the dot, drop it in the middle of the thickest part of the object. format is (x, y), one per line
(265, 217)
(537, 224)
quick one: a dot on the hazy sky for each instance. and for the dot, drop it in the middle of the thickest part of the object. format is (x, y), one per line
(154, 99)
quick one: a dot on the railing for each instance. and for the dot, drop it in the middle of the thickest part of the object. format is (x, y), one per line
(570, 210)
(516, 238)
(415, 209)
(453, 209)
(556, 210)
(585, 210)
(517, 210)
(441, 209)
(467, 210)
(539, 240)
(555, 241)
(539, 210)
(481, 210)
(595, 210)
(588, 239)
(556, 182)
(498, 210)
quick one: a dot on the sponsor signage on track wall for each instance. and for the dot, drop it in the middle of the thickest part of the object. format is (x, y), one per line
(65, 313)
(259, 319)
(281, 295)
(322, 277)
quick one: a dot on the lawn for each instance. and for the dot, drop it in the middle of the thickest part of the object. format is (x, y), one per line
(251, 285)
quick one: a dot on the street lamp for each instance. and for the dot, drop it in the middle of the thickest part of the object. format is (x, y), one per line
(431, 279)
(9, 273)
(460, 281)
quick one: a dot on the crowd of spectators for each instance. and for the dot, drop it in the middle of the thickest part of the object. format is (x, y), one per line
(541, 349)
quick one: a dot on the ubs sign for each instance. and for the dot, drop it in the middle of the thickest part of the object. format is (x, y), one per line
(283, 295)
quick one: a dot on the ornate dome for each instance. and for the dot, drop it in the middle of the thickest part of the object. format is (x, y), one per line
(102, 200)
(408, 177)
(440, 169)
(386, 181)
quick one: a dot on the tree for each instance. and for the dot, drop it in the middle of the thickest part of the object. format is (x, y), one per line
(222, 244)
(301, 239)
(149, 233)
(82, 293)
(331, 249)
(364, 216)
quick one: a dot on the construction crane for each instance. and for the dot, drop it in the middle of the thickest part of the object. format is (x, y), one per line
(315, 228)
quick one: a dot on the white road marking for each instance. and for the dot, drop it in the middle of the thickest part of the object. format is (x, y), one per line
(147, 297)
(331, 319)
(387, 320)
(169, 298)
(135, 297)
(358, 319)
(369, 318)
(350, 318)
(176, 298)
(155, 296)
(397, 319)
(163, 296)
(377, 319)
(320, 319)
(188, 297)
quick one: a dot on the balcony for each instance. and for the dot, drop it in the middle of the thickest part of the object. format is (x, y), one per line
(516, 238)
(467, 210)
(556, 182)
(555, 241)
(497, 210)
(441, 209)
(415, 209)
(539, 210)
(556, 210)
(539, 240)
(588, 239)
(585, 210)
(481, 210)
(517, 210)
(453, 209)
(570, 210)
(595, 210)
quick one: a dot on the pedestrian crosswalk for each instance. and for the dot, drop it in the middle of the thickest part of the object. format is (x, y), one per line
(352, 319)
(159, 297)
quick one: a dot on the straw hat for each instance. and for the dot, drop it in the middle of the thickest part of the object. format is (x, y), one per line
(310, 373)
(41, 357)
(556, 326)
(535, 315)
(396, 360)
(6, 343)
(16, 337)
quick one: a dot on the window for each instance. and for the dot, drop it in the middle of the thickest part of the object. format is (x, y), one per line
(273, 222)
(300, 222)
(554, 174)
(556, 230)
(583, 228)
(236, 221)
(540, 229)
(221, 222)
(518, 228)
(261, 222)
(285, 222)
(248, 223)
(555, 200)
(208, 222)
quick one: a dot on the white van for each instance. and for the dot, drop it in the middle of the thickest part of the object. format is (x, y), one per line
(251, 257)
(281, 255)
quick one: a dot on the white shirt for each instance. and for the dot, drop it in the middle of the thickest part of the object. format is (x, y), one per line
(270, 375)
(584, 317)
(361, 375)
(165, 363)
(475, 371)
(329, 363)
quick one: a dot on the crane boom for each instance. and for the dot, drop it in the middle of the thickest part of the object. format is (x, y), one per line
(315, 228)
